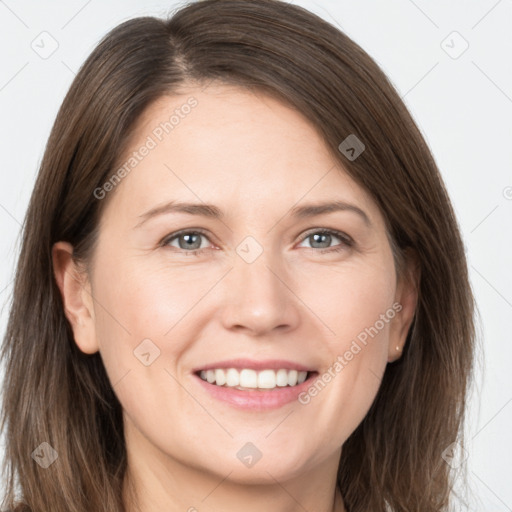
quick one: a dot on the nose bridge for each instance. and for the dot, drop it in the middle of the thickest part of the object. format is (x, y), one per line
(258, 298)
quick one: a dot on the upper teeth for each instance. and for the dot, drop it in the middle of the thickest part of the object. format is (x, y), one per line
(246, 378)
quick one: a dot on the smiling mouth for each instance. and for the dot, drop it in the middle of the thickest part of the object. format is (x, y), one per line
(251, 380)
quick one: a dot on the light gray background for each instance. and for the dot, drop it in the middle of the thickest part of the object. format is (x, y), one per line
(462, 103)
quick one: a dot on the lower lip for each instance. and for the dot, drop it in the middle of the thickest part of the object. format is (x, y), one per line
(257, 400)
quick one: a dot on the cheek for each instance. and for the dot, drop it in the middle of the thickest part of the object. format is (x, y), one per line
(142, 329)
(150, 312)
(138, 312)
(146, 300)
(357, 306)
(350, 301)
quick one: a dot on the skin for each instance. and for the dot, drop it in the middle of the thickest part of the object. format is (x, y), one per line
(255, 158)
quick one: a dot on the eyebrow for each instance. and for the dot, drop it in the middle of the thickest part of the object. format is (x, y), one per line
(213, 212)
(311, 210)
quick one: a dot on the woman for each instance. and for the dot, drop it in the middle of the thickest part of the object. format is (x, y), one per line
(174, 343)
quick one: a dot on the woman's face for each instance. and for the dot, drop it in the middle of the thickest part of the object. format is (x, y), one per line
(257, 282)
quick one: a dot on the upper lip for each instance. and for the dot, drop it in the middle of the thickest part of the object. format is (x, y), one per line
(267, 364)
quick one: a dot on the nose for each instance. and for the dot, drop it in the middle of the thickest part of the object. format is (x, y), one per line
(260, 297)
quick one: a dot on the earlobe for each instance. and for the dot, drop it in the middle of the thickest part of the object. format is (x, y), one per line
(74, 287)
(407, 294)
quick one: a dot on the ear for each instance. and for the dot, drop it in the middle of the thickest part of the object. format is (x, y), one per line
(75, 289)
(406, 300)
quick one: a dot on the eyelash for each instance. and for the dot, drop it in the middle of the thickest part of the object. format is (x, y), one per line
(345, 239)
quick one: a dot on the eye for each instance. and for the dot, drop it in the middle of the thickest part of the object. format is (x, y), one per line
(189, 242)
(324, 237)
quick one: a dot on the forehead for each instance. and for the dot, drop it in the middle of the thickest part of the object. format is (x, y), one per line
(226, 145)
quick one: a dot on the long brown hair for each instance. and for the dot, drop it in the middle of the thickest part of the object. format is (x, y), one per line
(55, 394)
